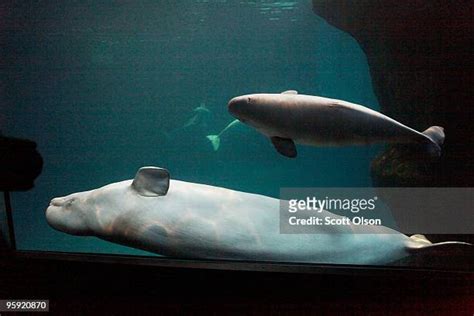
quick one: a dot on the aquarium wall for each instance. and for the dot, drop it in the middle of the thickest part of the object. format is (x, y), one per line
(106, 88)
(3, 227)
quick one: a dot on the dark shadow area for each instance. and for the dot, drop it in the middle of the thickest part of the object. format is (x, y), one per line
(20, 164)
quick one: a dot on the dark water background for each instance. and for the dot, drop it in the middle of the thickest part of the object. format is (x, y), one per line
(103, 88)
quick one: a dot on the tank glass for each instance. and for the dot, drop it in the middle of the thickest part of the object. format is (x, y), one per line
(106, 88)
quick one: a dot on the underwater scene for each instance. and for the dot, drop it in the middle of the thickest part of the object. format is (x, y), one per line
(211, 107)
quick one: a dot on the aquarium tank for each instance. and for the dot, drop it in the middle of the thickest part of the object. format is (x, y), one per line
(227, 119)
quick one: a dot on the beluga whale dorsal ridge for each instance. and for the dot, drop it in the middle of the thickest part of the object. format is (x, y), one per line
(288, 118)
(190, 220)
(151, 181)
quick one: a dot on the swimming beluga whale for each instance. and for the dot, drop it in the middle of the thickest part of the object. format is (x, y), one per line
(290, 118)
(199, 118)
(189, 220)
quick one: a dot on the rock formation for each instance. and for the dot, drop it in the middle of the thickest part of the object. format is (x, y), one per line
(420, 58)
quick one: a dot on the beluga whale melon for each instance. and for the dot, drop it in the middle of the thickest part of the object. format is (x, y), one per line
(290, 118)
(189, 220)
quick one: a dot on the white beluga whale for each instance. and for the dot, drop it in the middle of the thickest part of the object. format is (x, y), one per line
(290, 118)
(199, 118)
(189, 220)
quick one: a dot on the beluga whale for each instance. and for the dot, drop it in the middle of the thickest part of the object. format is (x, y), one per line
(190, 220)
(290, 118)
(199, 118)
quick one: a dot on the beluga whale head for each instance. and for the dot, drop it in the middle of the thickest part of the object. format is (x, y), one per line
(243, 107)
(260, 110)
(100, 211)
(64, 215)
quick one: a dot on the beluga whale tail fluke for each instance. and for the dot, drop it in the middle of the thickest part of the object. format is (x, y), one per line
(436, 136)
(216, 139)
(290, 118)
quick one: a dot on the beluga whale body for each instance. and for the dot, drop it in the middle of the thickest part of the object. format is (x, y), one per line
(189, 220)
(290, 118)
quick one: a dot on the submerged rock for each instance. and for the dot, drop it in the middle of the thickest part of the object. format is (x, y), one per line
(420, 59)
(20, 164)
(402, 165)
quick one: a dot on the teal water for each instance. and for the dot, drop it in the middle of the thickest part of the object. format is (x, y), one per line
(105, 89)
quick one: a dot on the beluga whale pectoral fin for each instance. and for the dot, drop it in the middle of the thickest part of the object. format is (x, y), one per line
(151, 181)
(290, 92)
(284, 146)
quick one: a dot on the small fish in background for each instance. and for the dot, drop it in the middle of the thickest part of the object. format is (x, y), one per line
(216, 139)
(200, 117)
